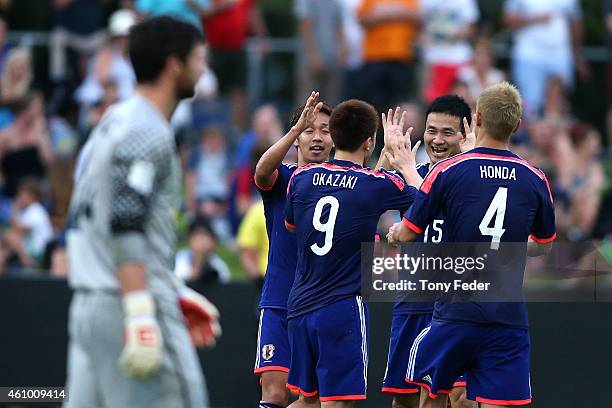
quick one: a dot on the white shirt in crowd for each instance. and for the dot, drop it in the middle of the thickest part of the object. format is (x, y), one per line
(36, 219)
(550, 40)
(443, 19)
(353, 33)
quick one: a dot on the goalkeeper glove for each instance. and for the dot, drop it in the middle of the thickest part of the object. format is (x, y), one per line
(142, 353)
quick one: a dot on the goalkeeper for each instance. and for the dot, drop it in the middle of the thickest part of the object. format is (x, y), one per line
(130, 345)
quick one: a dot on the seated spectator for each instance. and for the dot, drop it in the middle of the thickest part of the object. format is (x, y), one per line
(253, 242)
(55, 258)
(4, 45)
(198, 262)
(481, 73)
(16, 79)
(25, 147)
(266, 128)
(30, 226)
(207, 184)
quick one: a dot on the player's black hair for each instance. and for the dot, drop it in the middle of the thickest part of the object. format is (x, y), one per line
(295, 116)
(352, 122)
(452, 105)
(152, 41)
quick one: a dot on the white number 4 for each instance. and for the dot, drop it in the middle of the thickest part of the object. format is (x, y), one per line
(328, 227)
(496, 209)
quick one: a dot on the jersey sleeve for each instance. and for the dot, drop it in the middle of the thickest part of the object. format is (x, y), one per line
(427, 203)
(282, 175)
(396, 194)
(543, 229)
(138, 163)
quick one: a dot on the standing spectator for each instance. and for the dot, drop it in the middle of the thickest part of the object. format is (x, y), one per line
(198, 262)
(547, 41)
(186, 10)
(449, 28)
(78, 28)
(227, 26)
(253, 242)
(353, 37)
(322, 37)
(390, 33)
(481, 73)
(110, 66)
(16, 79)
(30, 227)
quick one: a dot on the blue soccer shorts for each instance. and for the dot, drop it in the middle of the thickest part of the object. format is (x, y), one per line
(494, 358)
(273, 352)
(329, 351)
(404, 330)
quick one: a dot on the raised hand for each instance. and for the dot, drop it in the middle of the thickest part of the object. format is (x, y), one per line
(469, 142)
(393, 127)
(310, 112)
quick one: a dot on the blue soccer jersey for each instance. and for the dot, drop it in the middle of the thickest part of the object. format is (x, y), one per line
(334, 207)
(486, 195)
(281, 255)
(434, 232)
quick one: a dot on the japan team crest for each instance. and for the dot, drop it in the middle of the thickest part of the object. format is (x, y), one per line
(267, 351)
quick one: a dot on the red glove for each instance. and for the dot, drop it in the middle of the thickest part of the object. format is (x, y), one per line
(201, 316)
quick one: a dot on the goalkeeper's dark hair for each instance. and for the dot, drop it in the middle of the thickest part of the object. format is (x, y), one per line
(152, 41)
(452, 105)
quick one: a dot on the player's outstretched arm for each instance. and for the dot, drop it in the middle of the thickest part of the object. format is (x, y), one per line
(538, 248)
(265, 171)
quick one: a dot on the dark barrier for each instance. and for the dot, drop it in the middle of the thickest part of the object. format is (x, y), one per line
(571, 358)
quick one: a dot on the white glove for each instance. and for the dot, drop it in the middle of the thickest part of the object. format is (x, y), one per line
(142, 353)
(201, 316)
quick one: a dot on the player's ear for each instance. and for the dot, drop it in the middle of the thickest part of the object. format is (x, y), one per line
(296, 142)
(478, 119)
(518, 125)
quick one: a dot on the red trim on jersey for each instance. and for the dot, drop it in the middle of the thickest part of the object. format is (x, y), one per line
(389, 390)
(260, 370)
(460, 384)
(445, 164)
(288, 225)
(399, 183)
(377, 237)
(428, 388)
(343, 398)
(410, 225)
(543, 240)
(266, 188)
(298, 390)
(503, 402)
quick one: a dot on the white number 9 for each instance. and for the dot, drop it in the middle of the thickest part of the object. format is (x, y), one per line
(328, 227)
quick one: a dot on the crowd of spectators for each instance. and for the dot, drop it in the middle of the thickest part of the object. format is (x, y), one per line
(387, 52)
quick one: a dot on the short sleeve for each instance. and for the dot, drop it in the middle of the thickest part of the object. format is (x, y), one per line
(396, 194)
(543, 229)
(427, 203)
(282, 175)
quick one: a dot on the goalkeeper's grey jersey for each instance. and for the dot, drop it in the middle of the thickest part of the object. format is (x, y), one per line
(123, 205)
